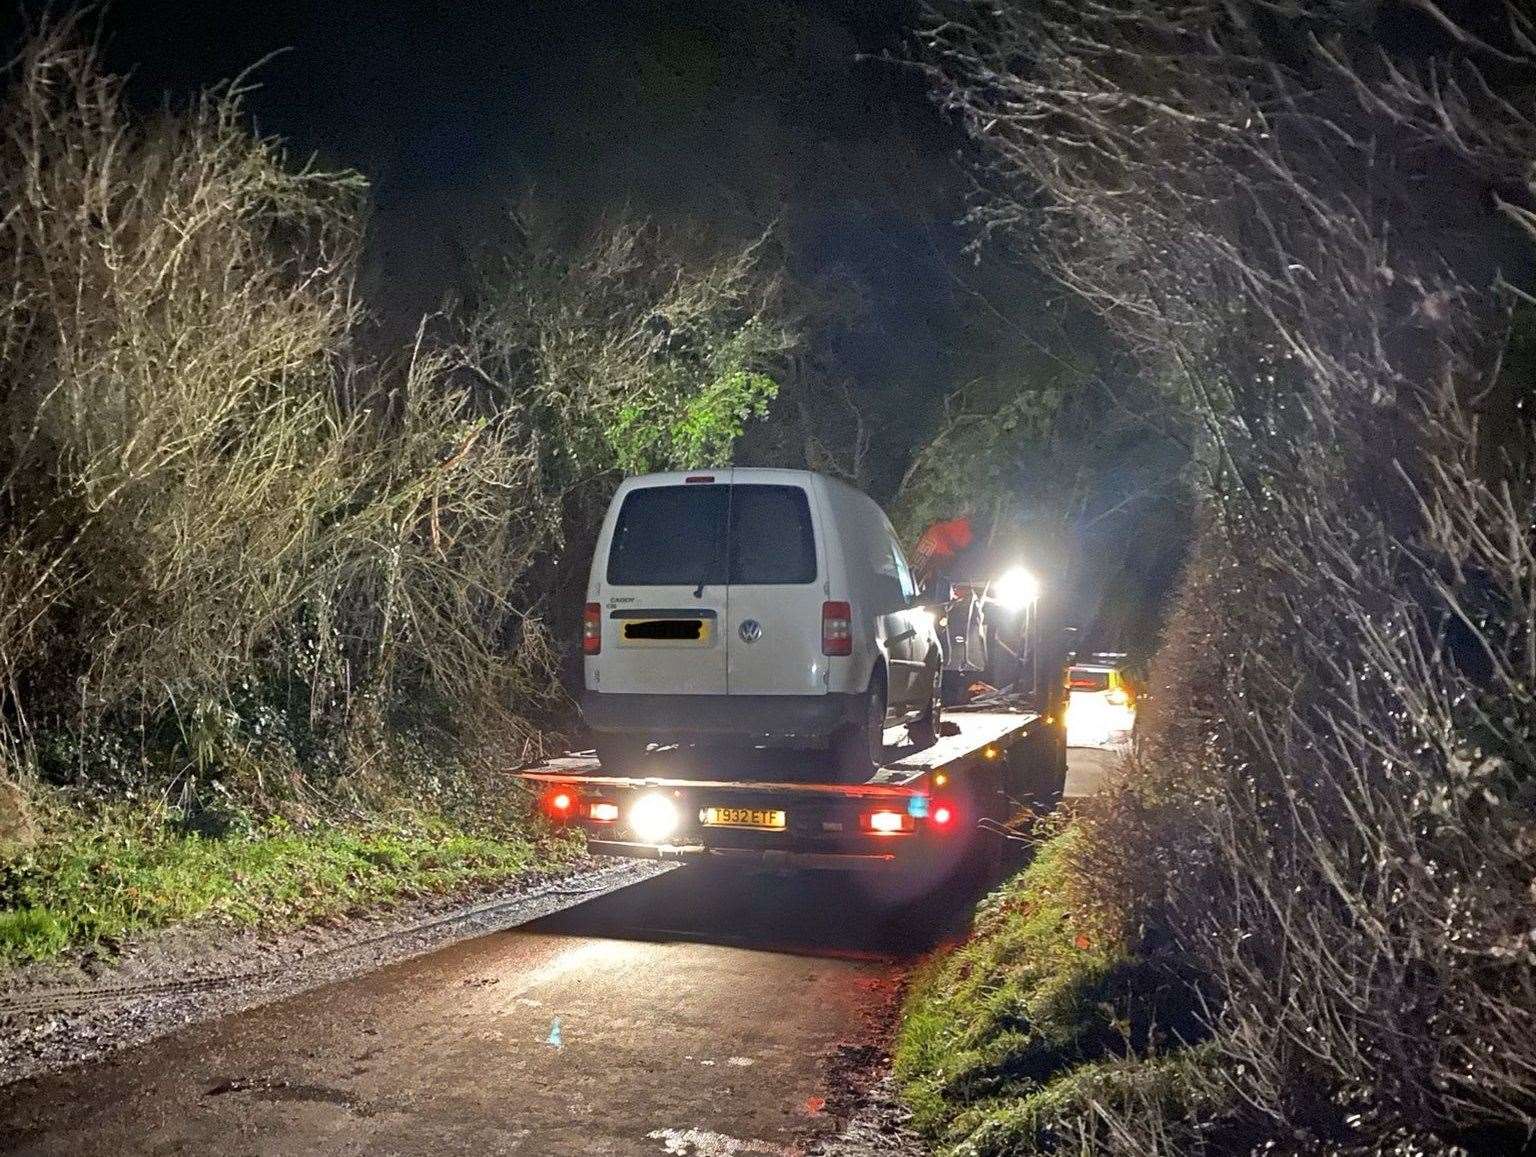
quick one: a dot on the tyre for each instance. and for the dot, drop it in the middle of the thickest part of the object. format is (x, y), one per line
(927, 728)
(619, 754)
(857, 749)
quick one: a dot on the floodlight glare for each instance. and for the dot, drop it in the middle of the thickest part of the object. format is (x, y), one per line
(653, 818)
(1016, 589)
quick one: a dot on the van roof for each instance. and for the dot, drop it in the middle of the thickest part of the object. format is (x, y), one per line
(768, 474)
(765, 475)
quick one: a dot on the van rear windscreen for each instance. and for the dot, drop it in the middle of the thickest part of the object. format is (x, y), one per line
(676, 536)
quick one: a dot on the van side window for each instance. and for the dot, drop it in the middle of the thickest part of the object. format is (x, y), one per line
(903, 572)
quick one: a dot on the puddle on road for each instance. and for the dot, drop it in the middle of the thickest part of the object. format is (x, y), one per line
(706, 1143)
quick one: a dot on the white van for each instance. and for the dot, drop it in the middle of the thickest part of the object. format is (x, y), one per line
(754, 607)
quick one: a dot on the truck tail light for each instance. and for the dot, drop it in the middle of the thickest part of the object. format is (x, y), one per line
(886, 822)
(836, 628)
(592, 629)
(561, 803)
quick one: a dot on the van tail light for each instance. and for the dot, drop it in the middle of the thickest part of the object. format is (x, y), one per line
(836, 628)
(592, 629)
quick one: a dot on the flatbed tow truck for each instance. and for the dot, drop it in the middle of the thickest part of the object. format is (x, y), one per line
(926, 809)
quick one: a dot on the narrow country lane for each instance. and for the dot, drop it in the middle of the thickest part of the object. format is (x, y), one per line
(698, 1013)
(687, 1003)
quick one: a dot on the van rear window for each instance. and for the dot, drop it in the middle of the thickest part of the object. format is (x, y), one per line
(771, 538)
(1087, 679)
(676, 536)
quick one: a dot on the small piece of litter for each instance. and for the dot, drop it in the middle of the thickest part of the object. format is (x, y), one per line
(815, 1104)
(554, 1035)
(741, 1062)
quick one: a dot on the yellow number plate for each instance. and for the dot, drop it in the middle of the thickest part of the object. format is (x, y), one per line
(743, 817)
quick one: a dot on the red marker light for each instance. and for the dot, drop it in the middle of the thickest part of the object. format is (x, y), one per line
(561, 802)
(942, 815)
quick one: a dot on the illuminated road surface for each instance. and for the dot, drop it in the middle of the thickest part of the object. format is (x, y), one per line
(1087, 767)
(683, 1004)
(696, 1015)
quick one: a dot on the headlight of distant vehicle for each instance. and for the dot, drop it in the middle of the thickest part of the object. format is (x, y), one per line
(1016, 589)
(653, 818)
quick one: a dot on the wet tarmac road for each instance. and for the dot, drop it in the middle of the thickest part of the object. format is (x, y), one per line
(697, 1013)
(693, 1002)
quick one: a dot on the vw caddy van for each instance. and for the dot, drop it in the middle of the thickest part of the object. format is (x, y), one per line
(754, 608)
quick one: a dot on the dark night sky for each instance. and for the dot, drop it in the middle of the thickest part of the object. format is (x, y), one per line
(732, 114)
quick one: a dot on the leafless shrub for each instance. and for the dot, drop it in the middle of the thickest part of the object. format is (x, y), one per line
(201, 487)
(631, 348)
(1305, 228)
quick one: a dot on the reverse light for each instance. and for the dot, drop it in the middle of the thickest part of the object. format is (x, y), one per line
(653, 818)
(592, 629)
(885, 822)
(1016, 589)
(836, 628)
(604, 812)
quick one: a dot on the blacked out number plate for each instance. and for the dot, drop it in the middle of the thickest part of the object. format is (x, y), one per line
(670, 630)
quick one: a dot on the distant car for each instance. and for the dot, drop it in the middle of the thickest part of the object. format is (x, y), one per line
(1101, 708)
(754, 607)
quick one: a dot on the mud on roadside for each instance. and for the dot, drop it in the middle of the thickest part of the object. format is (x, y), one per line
(861, 1092)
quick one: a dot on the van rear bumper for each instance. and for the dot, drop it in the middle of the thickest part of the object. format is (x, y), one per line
(808, 718)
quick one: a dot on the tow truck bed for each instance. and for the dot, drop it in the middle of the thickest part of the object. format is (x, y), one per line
(929, 801)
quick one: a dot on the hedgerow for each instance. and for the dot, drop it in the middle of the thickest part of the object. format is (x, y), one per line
(1313, 224)
(250, 572)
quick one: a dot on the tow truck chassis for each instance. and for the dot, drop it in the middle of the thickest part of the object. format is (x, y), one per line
(927, 809)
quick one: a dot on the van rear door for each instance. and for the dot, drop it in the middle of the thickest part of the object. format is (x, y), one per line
(773, 645)
(664, 591)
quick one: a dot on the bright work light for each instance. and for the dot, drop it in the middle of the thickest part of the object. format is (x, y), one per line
(1016, 589)
(653, 818)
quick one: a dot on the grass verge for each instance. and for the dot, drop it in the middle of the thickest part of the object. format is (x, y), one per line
(95, 878)
(1034, 1035)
